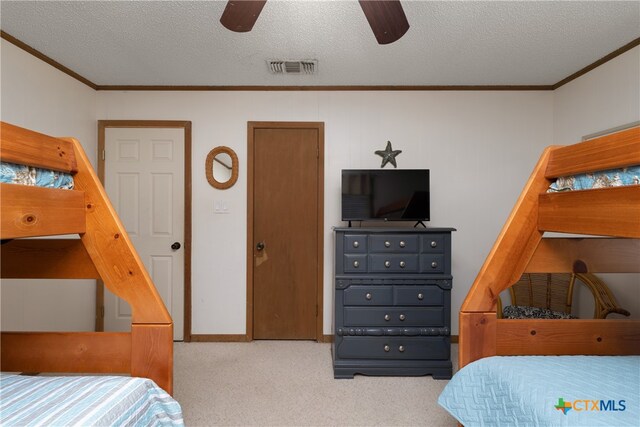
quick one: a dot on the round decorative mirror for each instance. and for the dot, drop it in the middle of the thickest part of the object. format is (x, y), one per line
(221, 167)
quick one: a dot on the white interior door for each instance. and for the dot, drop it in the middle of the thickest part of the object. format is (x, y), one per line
(144, 178)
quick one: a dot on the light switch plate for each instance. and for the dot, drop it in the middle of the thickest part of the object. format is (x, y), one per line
(221, 207)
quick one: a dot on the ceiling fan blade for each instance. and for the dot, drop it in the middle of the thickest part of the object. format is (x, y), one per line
(241, 15)
(386, 18)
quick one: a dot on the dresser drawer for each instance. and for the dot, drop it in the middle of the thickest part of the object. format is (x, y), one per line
(432, 244)
(368, 295)
(393, 243)
(393, 263)
(432, 263)
(393, 316)
(435, 348)
(419, 295)
(355, 263)
(355, 243)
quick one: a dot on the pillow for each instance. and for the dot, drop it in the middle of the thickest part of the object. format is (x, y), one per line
(525, 312)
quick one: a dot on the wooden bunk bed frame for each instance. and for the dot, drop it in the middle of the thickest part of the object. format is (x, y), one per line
(520, 248)
(103, 251)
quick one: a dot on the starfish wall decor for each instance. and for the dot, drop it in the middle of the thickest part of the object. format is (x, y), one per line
(388, 155)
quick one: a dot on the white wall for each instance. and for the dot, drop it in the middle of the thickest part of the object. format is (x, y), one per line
(39, 97)
(480, 147)
(606, 97)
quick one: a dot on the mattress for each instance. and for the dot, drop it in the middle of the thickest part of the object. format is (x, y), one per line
(12, 173)
(546, 391)
(85, 401)
(601, 179)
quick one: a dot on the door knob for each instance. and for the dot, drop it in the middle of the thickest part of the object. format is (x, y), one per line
(260, 246)
(175, 246)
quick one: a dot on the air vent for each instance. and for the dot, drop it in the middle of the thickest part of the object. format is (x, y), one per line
(307, 66)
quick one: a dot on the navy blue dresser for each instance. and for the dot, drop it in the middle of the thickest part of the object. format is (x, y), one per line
(392, 302)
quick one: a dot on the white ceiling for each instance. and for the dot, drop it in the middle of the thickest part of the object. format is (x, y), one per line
(448, 43)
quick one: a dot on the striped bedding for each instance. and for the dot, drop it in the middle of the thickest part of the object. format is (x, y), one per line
(85, 401)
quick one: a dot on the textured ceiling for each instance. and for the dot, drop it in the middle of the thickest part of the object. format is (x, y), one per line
(449, 43)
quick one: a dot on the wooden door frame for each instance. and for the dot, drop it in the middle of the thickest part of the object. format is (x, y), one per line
(181, 124)
(251, 127)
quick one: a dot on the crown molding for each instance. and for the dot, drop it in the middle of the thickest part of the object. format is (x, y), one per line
(41, 56)
(598, 63)
(94, 86)
(327, 88)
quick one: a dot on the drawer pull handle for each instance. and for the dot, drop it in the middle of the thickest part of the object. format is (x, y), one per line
(356, 264)
(387, 264)
(402, 264)
(402, 317)
(387, 317)
(434, 244)
(421, 296)
(434, 264)
(356, 244)
(401, 349)
(387, 348)
(402, 244)
(368, 296)
(387, 244)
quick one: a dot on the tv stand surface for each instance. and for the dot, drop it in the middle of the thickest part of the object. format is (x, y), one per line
(397, 229)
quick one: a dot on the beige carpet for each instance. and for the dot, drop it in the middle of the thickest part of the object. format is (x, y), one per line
(290, 383)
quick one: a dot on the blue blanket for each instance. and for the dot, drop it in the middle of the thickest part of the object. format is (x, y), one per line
(85, 401)
(601, 179)
(26, 175)
(546, 391)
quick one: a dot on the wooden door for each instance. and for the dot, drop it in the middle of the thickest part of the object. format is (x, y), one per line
(287, 224)
(144, 178)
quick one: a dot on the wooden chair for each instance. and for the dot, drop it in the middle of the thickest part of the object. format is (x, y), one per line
(554, 291)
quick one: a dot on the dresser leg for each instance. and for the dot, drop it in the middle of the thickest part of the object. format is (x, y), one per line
(442, 375)
(340, 374)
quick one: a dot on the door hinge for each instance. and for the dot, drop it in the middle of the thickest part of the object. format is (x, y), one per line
(102, 312)
(103, 155)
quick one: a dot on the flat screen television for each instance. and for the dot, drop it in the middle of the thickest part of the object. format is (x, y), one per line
(385, 195)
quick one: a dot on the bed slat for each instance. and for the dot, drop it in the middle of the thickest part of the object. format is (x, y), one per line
(46, 259)
(100, 352)
(26, 147)
(595, 255)
(617, 150)
(603, 212)
(33, 211)
(567, 337)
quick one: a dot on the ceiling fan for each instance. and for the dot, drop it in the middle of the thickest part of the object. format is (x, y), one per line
(386, 17)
